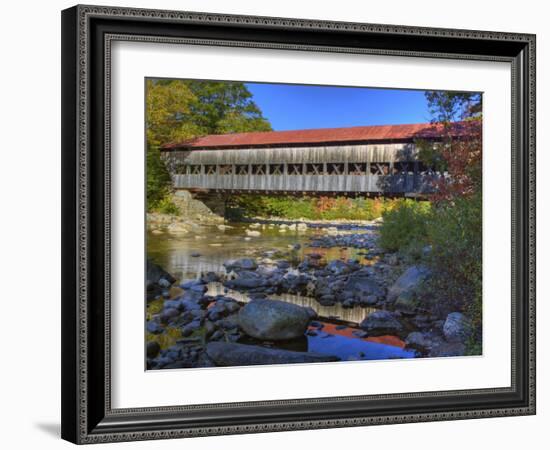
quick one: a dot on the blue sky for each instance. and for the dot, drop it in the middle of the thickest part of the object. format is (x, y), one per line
(293, 107)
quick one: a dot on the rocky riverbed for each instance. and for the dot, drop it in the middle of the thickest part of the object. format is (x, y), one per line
(296, 292)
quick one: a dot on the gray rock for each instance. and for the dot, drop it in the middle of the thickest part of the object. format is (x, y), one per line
(315, 256)
(421, 321)
(200, 288)
(381, 322)
(154, 327)
(163, 282)
(312, 313)
(338, 267)
(273, 320)
(176, 304)
(406, 302)
(369, 300)
(209, 328)
(457, 328)
(247, 280)
(410, 281)
(229, 322)
(155, 273)
(217, 335)
(441, 348)
(188, 329)
(282, 264)
(153, 349)
(392, 259)
(167, 314)
(418, 341)
(210, 277)
(233, 354)
(190, 304)
(188, 284)
(240, 264)
(327, 300)
(363, 286)
(195, 254)
(360, 333)
(232, 307)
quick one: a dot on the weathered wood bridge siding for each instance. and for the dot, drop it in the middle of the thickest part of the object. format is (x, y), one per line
(366, 168)
(372, 159)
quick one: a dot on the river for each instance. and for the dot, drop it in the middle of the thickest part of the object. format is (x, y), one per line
(189, 256)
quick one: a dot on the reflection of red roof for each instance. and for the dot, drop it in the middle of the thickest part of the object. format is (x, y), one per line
(378, 133)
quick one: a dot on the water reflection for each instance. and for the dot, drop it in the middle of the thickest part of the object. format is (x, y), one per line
(190, 256)
(352, 315)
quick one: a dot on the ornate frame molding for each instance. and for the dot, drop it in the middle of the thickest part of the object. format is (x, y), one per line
(77, 424)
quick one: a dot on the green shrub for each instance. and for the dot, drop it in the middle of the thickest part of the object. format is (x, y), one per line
(158, 179)
(307, 207)
(290, 207)
(455, 234)
(405, 225)
(167, 206)
(453, 231)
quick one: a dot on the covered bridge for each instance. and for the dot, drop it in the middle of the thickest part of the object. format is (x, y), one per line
(367, 159)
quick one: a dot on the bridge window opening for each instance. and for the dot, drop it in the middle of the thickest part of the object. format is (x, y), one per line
(314, 169)
(336, 168)
(295, 169)
(258, 169)
(425, 169)
(210, 169)
(380, 168)
(194, 170)
(242, 169)
(276, 169)
(357, 168)
(180, 168)
(402, 168)
(226, 169)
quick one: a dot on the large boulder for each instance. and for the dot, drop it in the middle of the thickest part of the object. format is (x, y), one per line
(457, 328)
(240, 264)
(158, 280)
(439, 348)
(380, 323)
(247, 280)
(273, 320)
(418, 341)
(233, 354)
(363, 286)
(190, 208)
(156, 275)
(406, 302)
(409, 283)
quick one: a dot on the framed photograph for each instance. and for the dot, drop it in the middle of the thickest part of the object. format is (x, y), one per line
(282, 224)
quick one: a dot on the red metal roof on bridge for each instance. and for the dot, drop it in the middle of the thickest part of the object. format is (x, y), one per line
(378, 133)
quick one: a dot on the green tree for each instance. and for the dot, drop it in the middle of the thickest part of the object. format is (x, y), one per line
(221, 107)
(166, 105)
(178, 110)
(158, 178)
(447, 106)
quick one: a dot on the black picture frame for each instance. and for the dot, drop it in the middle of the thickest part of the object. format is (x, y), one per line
(87, 416)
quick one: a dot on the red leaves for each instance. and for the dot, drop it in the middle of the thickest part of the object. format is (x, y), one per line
(463, 157)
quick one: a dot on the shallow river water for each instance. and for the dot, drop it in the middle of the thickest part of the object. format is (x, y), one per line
(191, 255)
